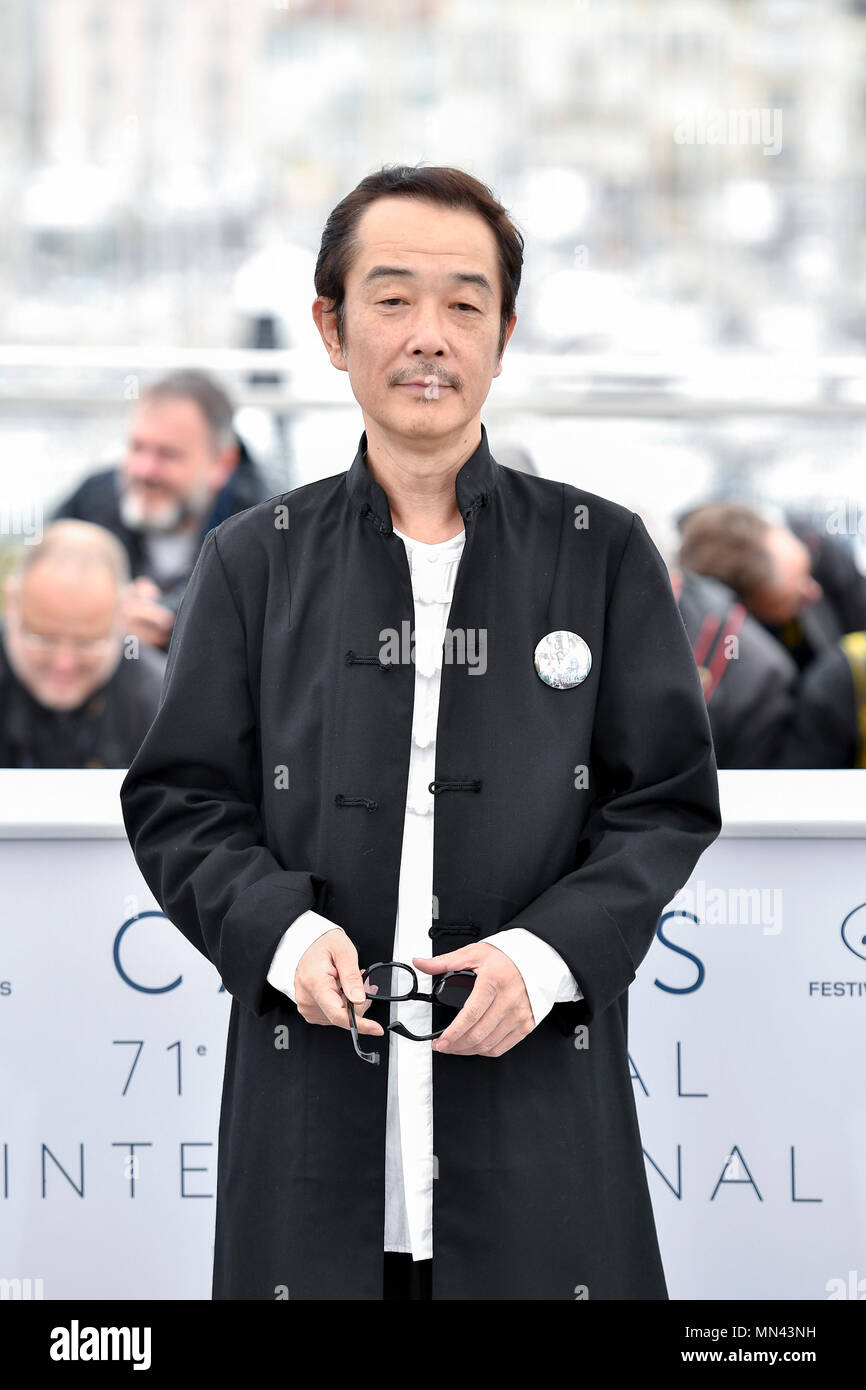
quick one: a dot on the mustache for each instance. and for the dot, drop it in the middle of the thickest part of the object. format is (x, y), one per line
(430, 374)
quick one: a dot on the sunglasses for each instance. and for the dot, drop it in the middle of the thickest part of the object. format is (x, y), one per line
(392, 982)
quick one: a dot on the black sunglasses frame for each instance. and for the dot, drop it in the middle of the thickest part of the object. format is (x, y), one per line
(414, 993)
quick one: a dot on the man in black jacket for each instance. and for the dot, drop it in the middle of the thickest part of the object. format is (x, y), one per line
(299, 811)
(185, 471)
(749, 680)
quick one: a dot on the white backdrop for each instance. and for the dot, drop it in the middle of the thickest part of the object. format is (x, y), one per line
(87, 1062)
(746, 1039)
(755, 1076)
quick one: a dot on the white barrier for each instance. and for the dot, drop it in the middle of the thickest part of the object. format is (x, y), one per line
(111, 1035)
(746, 1038)
(746, 1033)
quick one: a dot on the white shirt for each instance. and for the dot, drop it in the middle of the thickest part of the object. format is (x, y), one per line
(409, 1158)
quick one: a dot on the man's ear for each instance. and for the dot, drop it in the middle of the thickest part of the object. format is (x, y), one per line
(326, 322)
(508, 332)
(226, 463)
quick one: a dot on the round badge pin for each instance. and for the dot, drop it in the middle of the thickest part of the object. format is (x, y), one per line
(562, 660)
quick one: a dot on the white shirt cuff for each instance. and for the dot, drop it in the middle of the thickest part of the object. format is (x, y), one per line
(546, 976)
(302, 933)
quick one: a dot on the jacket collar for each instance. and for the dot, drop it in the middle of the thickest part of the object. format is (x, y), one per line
(473, 485)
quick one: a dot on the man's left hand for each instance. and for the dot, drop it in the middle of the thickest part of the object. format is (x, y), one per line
(497, 1014)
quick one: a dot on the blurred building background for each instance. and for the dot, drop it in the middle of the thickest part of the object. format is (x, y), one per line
(688, 175)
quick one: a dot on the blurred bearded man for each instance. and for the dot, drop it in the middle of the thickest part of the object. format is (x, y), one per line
(185, 470)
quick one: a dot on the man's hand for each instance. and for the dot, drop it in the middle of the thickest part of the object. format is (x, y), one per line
(497, 1013)
(326, 975)
(143, 615)
(144, 587)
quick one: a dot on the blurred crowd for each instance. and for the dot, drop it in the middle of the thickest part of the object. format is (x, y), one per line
(88, 610)
(775, 609)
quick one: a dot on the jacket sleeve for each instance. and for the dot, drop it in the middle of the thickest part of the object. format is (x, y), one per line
(751, 711)
(655, 786)
(823, 732)
(192, 794)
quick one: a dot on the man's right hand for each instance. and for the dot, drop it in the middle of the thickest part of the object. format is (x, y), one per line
(144, 616)
(326, 976)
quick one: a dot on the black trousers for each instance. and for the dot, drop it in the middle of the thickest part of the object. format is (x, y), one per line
(407, 1278)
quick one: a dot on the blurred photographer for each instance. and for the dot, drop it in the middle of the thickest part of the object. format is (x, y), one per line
(75, 689)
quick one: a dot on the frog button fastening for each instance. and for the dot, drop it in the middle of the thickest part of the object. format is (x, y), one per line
(562, 659)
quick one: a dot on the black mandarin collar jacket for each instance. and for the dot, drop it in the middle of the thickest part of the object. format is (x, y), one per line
(274, 779)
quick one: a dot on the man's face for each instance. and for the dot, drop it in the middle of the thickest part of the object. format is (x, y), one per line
(422, 320)
(791, 587)
(63, 633)
(171, 472)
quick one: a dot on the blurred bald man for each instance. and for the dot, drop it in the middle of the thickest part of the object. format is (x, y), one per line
(75, 689)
